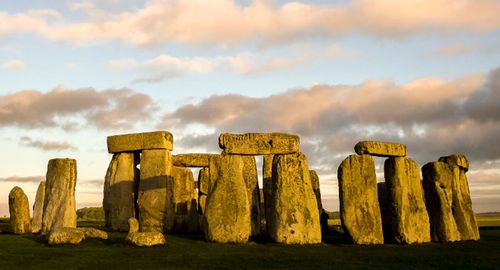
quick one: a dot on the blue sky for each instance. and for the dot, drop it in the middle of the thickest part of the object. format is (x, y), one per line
(424, 73)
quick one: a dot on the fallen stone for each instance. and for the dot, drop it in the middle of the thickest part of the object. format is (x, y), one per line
(119, 185)
(36, 225)
(252, 184)
(259, 143)
(19, 210)
(90, 232)
(380, 149)
(140, 141)
(409, 222)
(203, 180)
(59, 207)
(359, 207)
(143, 239)
(438, 184)
(294, 215)
(227, 212)
(459, 160)
(183, 191)
(192, 160)
(155, 198)
(64, 235)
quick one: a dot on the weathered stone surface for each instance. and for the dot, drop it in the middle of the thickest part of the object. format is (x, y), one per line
(143, 239)
(459, 160)
(227, 213)
(192, 160)
(36, 224)
(203, 180)
(119, 185)
(438, 184)
(65, 235)
(202, 201)
(59, 207)
(267, 178)
(380, 149)
(409, 219)
(385, 212)
(259, 143)
(140, 141)
(462, 204)
(252, 184)
(359, 208)
(183, 191)
(19, 209)
(90, 232)
(155, 198)
(294, 215)
(316, 189)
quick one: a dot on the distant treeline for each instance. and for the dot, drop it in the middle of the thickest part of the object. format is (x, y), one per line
(90, 213)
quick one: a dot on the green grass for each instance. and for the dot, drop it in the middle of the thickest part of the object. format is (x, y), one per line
(191, 252)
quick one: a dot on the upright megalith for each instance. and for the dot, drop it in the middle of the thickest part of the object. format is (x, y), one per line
(119, 194)
(409, 221)
(438, 184)
(59, 208)
(36, 224)
(259, 143)
(294, 215)
(140, 141)
(252, 184)
(203, 180)
(19, 210)
(227, 212)
(359, 207)
(316, 189)
(380, 149)
(155, 191)
(183, 194)
(267, 177)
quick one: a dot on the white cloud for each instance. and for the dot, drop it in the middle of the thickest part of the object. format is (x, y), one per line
(13, 64)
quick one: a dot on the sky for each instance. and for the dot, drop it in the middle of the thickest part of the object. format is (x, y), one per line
(425, 73)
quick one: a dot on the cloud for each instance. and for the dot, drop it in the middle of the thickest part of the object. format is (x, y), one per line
(226, 22)
(27, 179)
(61, 107)
(13, 64)
(46, 145)
(457, 49)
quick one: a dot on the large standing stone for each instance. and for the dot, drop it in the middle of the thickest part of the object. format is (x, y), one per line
(183, 191)
(259, 143)
(294, 217)
(119, 199)
(252, 184)
(19, 209)
(438, 185)
(140, 141)
(192, 160)
(155, 198)
(359, 208)
(203, 180)
(409, 219)
(462, 204)
(385, 212)
(267, 178)
(380, 149)
(202, 202)
(59, 208)
(227, 215)
(316, 189)
(36, 225)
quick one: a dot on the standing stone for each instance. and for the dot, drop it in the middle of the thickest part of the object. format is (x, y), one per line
(385, 212)
(259, 143)
(267, 177)
(380, 149)
(19, 209)
(462, 204)
(227, 215)
(36, 225)
(119, 199)
(183, 187)
(155, 198)
(294, 217)
(359, 208)
(316, 189)
(203, 180)
(59, 207)
(202, 202)
(252, 184)
(409, 219)
(438, 186)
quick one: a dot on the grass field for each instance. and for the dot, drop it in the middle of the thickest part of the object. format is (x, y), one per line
(191, 252)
